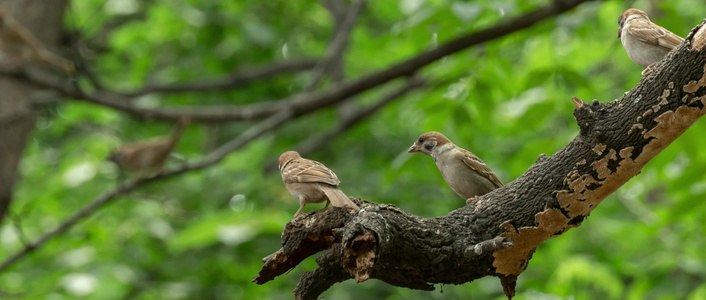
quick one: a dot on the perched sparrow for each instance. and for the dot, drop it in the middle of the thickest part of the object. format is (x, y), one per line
(645, 42)
(464, 172)
(311, 182)
(19, 46)
(148, 155)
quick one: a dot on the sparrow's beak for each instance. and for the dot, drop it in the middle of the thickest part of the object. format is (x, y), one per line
(413, 149)
(619, 32)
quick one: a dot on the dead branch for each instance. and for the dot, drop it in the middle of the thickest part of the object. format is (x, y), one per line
(497, 234)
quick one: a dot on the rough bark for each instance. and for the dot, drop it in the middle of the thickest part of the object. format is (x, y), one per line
(17, 117)
(497, 234)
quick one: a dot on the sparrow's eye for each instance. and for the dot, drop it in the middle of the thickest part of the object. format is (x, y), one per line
(421, 140)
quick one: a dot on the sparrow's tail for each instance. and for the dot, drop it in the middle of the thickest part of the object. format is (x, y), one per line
(337, 197)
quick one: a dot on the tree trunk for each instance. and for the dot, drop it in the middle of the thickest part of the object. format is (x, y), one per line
(17, 117)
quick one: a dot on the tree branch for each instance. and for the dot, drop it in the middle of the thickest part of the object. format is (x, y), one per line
(303, 103)
(212, 158)
(237, 78)
(131, 184)
(339, 42)
(319, 141)
(17, 116)
(497, 234)
(75, 218)
(337, 8)
(275, 112)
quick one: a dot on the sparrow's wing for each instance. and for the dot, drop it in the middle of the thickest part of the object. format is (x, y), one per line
(655, 35)
(479, 166)
(303, 170)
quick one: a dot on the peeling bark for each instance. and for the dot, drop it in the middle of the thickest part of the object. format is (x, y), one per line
(497, 234)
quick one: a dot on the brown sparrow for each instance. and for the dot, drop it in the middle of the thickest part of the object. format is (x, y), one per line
(462, 170)
(20, 46)
(311, 182)
(645, 42)
(148, 155)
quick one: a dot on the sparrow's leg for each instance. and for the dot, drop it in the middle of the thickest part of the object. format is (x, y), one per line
(327, 203)
(469, 200)
(302, 202)
(647, 70)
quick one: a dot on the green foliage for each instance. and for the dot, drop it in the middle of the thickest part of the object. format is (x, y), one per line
(202, 235)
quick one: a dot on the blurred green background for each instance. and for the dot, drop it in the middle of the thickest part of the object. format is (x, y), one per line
(202, 235)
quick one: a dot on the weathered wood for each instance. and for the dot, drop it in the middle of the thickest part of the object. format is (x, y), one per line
(555, 194)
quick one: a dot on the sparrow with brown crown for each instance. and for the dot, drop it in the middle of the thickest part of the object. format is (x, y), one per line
(463, 171)
(645, 42)
(311, 182)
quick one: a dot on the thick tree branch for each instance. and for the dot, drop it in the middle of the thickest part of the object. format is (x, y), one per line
(497, 234)
(304, 103)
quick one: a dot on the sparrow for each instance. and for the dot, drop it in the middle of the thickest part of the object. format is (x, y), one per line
(645, 42)
(148, 155)
(19, 46)
(311, 182)
(462, 170)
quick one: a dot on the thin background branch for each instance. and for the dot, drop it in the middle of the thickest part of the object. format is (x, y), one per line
(304, 102)
(319, 141)
(214, 157)
(17, 222)
(236, 79)
(331, 63)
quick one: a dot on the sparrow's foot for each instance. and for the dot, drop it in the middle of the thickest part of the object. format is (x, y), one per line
(647, 70)
(469, 200)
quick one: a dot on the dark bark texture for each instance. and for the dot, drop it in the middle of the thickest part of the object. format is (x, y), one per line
(497, 234)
